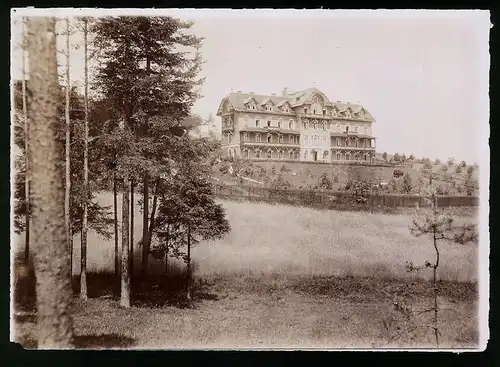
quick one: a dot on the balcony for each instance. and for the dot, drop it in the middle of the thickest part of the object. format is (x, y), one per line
(270, 144)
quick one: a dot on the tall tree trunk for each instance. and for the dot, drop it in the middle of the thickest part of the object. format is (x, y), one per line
(51, 261)
(145, 232)
(132, 206)
(188, 260)
(115, 212)
(125, 276)
(67, 192)
(83, 278)
(153, 213)
(27, 172)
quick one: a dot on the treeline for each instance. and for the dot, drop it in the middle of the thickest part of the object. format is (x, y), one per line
(133, 135)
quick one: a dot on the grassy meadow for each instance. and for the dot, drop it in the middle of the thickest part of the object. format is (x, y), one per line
(285, 277)
(268, 239)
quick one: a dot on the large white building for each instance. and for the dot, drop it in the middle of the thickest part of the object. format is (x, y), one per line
(301, 126)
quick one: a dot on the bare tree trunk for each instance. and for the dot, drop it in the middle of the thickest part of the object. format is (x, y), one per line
(67, 191)
(132, 206)
(153, 213)
(188, 272)
(27, 172)
(125, 276)
(145, 232)
(434, 283)
(83, 278)
(115, 212)
(51, 262)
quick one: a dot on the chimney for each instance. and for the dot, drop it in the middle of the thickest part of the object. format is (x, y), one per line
(285, 92)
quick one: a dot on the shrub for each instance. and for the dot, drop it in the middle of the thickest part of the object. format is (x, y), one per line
(407, 184)
(397, 173)
(359, 190)
(336, 179)
(324, 182)
(224, 168)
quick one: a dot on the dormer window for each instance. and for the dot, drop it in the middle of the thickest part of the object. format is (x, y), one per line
(268, 123)
(257, 123)
(324, 112)
(314, 111)
(305, 110)
(279, 123)
(290, 125)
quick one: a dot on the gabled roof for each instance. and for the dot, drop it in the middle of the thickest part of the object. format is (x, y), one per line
(294, 99)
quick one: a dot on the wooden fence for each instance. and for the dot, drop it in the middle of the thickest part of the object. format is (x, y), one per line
(335, 198)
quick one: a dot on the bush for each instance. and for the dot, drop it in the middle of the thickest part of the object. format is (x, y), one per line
(224, 168)
(397, 173)
(324, 182)
(358, 191)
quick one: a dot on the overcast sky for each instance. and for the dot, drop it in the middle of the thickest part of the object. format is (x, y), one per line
(422, 75)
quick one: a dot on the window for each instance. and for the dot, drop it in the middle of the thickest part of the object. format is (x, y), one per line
(356, 128)
(324, 112)
(290, 139)
(245, 137)
(257, 138)
(257, 123)
(229, 138)
(366, 157)
(314, 125)
(246, 121)
(324, 126)
(346, 128)
(314, 111)
(280, 154)
(290, 125)
(347, 142)
(291, 155)
(305, 110)
(325, 153)
(347, 156)
(257, 154)
(305, 154)
(279, 123)
(269, 154)
(338, 128)
(269, 138)
(269, 123)
(246, 153)
(338, 156)
(338, 141)
(280, 139)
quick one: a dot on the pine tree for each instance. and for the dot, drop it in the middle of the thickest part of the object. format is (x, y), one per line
(407, 184)
(151, 89)
(51, 260)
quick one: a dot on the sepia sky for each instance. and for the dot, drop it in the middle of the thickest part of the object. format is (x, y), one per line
(422, 75)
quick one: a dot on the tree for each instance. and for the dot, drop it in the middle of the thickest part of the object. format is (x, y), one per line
(451, 161)
(440, 226)
(67, 187)
(437, 162)
(83, 277)
(26, 161)
(187, 214)
(444, 168)
(412, 157)
(125, 275)
(396, 158)
(427, 163)
(324, 182)
(151, 89)
(463, 164)
(384, 156)
(403, 158)
(51, 260)
(407, 184)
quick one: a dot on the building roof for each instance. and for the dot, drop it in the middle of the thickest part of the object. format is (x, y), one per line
(295, 99)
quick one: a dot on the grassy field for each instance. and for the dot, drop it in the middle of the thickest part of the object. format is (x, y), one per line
(291, 277)
(268, 238)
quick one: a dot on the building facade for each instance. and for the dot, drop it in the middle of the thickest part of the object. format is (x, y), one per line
(301, 126)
